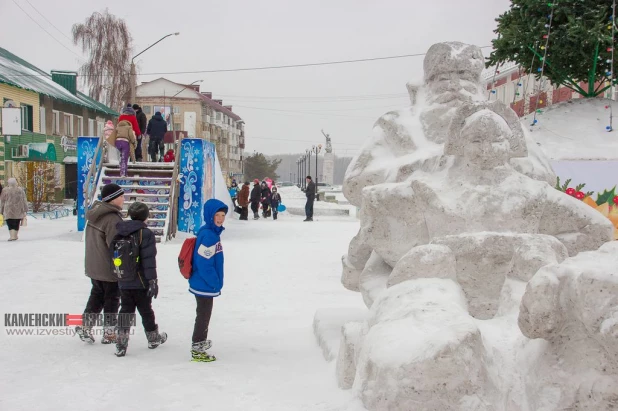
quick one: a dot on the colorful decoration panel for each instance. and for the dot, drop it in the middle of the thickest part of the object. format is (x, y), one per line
(197, 182)
(86, 147)
(593, 182)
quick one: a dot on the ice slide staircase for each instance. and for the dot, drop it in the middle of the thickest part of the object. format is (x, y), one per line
(154, 184)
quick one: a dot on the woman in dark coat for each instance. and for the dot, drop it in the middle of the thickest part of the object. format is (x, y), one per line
(265, 199)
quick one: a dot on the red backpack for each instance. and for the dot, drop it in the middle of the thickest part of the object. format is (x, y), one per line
(185, 258)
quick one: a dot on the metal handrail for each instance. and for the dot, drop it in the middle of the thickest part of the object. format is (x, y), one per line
(172, 225)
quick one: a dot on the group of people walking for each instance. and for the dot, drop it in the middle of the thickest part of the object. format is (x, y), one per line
(127, 134)
(263, 195)
(120, 261)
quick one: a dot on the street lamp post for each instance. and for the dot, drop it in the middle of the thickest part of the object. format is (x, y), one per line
(132, 70)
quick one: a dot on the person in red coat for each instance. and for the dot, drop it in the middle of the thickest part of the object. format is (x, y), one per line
(129, 114)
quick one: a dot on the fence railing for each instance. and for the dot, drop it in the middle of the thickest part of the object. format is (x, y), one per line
(172, 225)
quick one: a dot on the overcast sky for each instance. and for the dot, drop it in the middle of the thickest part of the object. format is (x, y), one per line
(284, 109)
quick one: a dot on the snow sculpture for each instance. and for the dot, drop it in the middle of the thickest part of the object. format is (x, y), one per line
(445, 240)
(411, 140)
(574, 306)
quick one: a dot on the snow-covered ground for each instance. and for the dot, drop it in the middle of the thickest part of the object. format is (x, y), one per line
(563, 127)
(278, 274)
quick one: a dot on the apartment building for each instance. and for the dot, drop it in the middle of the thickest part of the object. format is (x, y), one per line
(197, 115)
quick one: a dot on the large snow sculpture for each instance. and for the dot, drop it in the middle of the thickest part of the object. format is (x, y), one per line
(574, 306)
(451, 229)
(411, 140)
(478, 207)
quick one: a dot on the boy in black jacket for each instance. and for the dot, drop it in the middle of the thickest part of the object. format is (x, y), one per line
(134, 254)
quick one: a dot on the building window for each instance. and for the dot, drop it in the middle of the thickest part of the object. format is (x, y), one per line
(55, 122)
(42, 123)
(177, 127)
(176, 110)
(147, 109)
(80, 126)
(68, 125)
(100, 126)
(90, 127)
(26, 117)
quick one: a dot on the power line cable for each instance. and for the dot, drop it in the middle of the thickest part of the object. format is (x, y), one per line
(327, 63)
(392, 95)
(50, 35)
(47, 20)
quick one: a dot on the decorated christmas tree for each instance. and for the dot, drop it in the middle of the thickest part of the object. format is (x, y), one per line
(569, 42)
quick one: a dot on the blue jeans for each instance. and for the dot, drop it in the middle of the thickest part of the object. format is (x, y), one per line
(309, 208)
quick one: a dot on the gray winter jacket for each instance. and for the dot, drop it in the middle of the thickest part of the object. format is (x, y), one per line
(13, 204)
(101, 229)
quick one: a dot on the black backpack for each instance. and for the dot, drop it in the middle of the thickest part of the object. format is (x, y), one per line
(125, 256)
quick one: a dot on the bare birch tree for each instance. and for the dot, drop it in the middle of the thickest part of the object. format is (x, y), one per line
(107, 41)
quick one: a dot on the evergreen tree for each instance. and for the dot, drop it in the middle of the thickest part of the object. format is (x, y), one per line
(258, 166)
(579, 44)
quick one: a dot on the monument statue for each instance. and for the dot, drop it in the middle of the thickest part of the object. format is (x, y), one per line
(329, 147)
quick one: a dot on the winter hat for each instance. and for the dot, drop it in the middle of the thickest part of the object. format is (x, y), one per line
(110, 192)
(128, 110)
(256, 181)
(274, 188)
(12, 182)
(108, 129)
(138, 211)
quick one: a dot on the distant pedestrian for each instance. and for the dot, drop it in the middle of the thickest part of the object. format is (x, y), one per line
(142, 122)
(256, 197)
(13, 207)
(265, 200)
(130, 115)
(275, 201)
(310, 193)
(243, 201)
(134, 252)
(157, 127)
(206, 279)
(233, 190)
(102, 219)
(125, 141)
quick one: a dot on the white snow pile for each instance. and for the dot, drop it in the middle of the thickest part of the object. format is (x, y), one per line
(276, 273)
(576, 130)
(457, 215)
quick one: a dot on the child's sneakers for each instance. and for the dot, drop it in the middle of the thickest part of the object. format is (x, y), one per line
(85, 334)
(155, 338)
(198, 351)
(109, 335)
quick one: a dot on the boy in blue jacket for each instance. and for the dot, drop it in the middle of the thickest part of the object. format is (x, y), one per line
(206, 278)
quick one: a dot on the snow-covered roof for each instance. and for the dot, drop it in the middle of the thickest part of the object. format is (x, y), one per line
(504, 69)
(576, 130)
(17, 72)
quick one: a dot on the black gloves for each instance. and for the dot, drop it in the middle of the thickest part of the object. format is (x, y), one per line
(153, 288)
